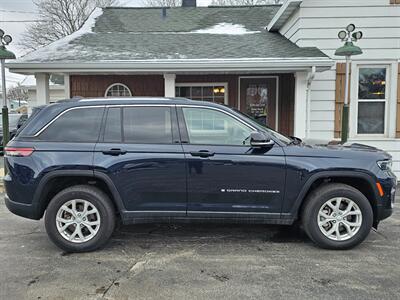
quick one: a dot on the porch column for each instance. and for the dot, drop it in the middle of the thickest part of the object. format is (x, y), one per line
(67, 92)
(42, 89)
(169, 85)
(300, 105)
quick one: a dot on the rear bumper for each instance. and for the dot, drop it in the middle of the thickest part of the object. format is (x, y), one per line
(29, 211)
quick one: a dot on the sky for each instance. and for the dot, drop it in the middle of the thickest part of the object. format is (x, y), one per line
(16, 14)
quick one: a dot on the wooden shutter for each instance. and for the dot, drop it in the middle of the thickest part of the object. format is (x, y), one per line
(339, 96)
(394, 1)
(398, 105)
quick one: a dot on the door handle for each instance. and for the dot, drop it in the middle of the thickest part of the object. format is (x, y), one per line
(202, 153)
(114, 152)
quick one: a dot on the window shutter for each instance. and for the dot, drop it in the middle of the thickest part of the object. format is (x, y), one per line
(339, 96)
(398, 105)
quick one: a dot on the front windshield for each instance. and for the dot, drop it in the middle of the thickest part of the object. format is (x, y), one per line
(263, 127)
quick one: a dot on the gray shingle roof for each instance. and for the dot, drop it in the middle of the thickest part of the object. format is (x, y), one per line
(143, 34)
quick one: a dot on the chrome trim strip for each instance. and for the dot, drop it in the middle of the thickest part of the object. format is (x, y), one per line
(230, 212)
(200, 212)
(220, 110)
(63, 112)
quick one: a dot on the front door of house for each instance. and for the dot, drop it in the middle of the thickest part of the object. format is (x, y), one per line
(258, 98)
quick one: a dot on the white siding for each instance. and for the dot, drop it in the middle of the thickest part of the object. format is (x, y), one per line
(316, 24)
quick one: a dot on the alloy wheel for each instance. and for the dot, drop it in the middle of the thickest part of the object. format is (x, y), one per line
(78, 220)
(339, 219)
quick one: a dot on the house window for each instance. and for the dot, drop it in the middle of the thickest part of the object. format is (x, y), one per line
(212, 92)
(372, 99)
(118, 90)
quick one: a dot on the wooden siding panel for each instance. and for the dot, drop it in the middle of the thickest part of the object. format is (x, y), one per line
(398, 105)
(153, 85)
(339, 96)
(96, 85)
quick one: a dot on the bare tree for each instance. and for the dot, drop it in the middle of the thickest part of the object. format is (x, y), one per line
(58, 18)
(17, 93)
(243, 2)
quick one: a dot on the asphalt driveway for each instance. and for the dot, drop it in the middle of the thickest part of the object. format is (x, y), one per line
(197, 262)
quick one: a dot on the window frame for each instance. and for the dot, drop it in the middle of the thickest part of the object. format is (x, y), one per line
(115, 84)
(47, 125)
(386, 101)
(174, 123)
(185, 132)
(206, 84)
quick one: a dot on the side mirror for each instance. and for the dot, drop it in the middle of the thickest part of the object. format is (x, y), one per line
(259, 140)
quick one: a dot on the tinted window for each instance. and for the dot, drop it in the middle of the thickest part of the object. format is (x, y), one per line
(211, 127)
(77, 125)
(112, 129)
(147, 125)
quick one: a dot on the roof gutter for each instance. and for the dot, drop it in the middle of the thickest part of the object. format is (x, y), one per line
(187, 65)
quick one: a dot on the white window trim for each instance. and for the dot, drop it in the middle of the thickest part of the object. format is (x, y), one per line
(206, 84)
(117, 83)
(391, 98)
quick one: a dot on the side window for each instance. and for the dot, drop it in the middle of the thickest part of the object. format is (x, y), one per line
(147, 125)
(76, 125)
(113, 129)
(211, 127)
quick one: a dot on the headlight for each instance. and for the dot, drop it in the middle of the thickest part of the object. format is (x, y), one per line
(385, 165)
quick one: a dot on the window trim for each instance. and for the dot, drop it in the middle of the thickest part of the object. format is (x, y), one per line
(174, 121)
(186, 131)
(206, 84)
(389, 126)
(115, 84)
(40, 131)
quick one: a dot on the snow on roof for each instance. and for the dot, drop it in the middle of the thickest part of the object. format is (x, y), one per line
(226, 28)
(51, 49)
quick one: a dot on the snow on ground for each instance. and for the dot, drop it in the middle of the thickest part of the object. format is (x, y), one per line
(226, 28)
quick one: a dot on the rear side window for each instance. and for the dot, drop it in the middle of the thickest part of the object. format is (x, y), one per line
(76, 125)
(140, 125)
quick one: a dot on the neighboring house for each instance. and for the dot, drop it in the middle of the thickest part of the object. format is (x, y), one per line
(274, 62)
(56, 91)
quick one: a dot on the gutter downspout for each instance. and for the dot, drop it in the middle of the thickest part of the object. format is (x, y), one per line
(310, 78)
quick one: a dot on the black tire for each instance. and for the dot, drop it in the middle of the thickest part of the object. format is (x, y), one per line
(313, 204)
(99, 200)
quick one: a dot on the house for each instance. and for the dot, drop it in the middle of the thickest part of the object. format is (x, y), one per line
(274, 62)
(56, 91)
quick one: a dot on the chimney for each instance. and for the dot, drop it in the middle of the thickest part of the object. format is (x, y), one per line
(189, 3)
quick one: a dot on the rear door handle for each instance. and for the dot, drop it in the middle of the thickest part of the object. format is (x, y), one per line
(202, 153)
(114, 152)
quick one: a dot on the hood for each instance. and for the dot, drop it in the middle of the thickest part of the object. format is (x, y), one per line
(348, 150)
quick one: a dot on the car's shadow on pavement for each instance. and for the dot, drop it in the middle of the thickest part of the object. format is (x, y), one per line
(207, 233)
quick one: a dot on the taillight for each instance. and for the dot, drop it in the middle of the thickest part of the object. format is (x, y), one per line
(19, 152)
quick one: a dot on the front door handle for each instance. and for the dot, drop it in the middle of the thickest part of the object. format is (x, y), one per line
(202, 153)
(114, 152)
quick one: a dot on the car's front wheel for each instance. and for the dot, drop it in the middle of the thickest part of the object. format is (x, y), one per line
(80, 218)
(337, 216)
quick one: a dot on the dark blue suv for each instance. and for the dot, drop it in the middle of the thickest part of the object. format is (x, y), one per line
(86, 163)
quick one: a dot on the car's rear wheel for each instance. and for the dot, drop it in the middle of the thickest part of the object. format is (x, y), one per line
(337, 216)
(80, 218)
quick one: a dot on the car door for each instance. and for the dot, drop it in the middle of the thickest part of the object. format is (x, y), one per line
(141, 153)
(227, 177)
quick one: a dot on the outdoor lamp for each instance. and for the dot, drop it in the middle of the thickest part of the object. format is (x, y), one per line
(5, 54)
(348, 36)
